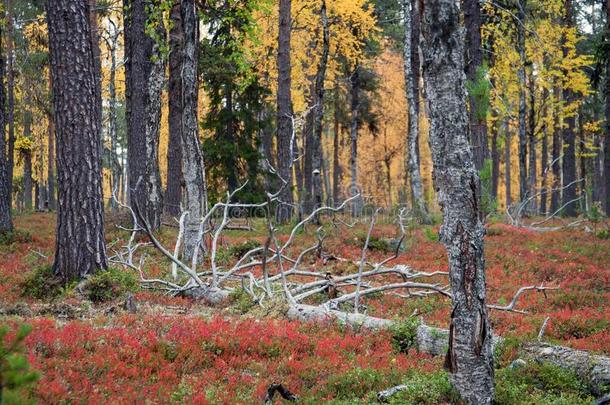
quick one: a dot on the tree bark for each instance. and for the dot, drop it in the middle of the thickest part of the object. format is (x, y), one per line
(95, 46)
(412, 76)
(27, 162)
(80, 248)
(10, 84)
(469, 357)
(544, 160)
(285, 143)
(51, 154)
(318, 111)
(173, 191)
(193, 167)
(606, 195)
(144, 72)
(556, 155)
(474, 62)
(6, 219)
(495, 162)
(522, 103)
(336, 135)
(569, 138)
(507, 165)
(353, 135)
(532, 175)
(112, 118)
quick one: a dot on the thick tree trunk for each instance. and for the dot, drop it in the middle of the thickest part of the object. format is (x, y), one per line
(173, 191)
(522, 104)
(193, 167)
(6, 219)
(582, 151)
(353, 136)
(95, 46)
(27, 162)
(469, 357)
(80, 248)
(474, 62)
(285, 143)
(10, 84)
(318, 112)
(532, 175)
(144, 72)
(412, 75)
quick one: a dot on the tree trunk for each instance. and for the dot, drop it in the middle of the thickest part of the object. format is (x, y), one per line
(112, 119)
(95, 46)
(412, 75)
(598, 182)
(173, 191)
(556, 155)
(27, 162)
(193, 167)
(80, 248)
(606, 180)
(582, 151)
(51, 164)
(336, 135)
(544, 160)
(469, 357)
(285, 143)
(353, 135)
(532, 176)
(495, 162)
(474, 62)
(10, 83)
(143, 82)
(318, 112)
(569, 138)
(6, 219)
(522, 104)
(507, 165)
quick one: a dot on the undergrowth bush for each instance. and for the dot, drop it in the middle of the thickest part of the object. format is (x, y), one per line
(404, 334)
(108, 284)
(42, 284)
(16, 376)
(237, 251)
(427, 389)
(15, 236)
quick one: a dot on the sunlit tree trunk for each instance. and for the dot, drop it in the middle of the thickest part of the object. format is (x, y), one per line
(336, 135)
(51, 155)
(532, 175)
(544, 158)
(80, 248)
(507, 163)
(284, 111)
(27, 162)
(353, 136)
(556, 155)
(469, 357)
(193, 168)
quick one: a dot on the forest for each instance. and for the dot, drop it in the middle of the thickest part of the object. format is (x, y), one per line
(305, 201)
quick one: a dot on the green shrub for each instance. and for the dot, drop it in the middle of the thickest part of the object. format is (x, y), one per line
(427, 388)
(404, 334)
(378, 244)
(430, 234)
(241, 300)
(603, 234)
(16, 377)
(540, 383)
(108, 284)
(42, 284)
(14, 236)
(238, 251)
(357, 383)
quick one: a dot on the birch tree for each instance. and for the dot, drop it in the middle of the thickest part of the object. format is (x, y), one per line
(469, 356)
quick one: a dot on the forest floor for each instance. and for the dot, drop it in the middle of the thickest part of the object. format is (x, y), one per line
(176, 350)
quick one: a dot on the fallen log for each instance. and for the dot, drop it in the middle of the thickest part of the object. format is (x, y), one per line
(591, 368)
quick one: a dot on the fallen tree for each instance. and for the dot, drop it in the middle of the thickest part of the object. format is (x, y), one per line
(591, 368)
